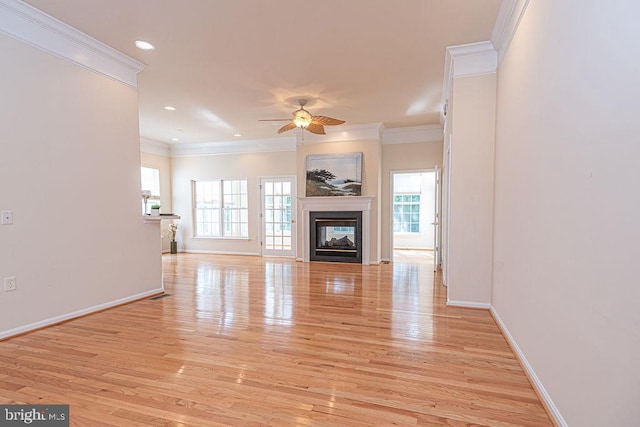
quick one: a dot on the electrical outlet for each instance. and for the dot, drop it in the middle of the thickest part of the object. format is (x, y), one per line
(6, 217)
(10, 284)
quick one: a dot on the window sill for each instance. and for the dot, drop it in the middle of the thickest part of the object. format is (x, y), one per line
(150, 219)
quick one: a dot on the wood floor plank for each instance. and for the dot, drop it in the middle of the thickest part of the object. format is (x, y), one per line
(256, 341)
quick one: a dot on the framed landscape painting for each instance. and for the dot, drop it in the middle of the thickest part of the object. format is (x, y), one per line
(334, 174)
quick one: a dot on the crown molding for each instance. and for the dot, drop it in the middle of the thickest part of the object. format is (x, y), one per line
(407, 135)
(374, 132)
(29, 25)
(467, 60)
(265, 145)
(509, 17)
(470, 59)
(371, 131)
(155, 147)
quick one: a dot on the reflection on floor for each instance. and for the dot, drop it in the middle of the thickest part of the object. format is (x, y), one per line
(413, 256)
(245, 340)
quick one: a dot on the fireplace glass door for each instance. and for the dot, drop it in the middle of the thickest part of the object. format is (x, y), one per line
(336, 236)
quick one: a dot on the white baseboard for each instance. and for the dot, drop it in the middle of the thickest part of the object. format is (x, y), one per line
(537, 384)
(191, 251)
(68, 316)
(468, 304)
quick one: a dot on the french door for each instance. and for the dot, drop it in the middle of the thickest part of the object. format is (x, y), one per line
(278, 198)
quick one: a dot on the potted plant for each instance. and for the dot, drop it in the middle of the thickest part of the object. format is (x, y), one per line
(172, 231)
(155, 210)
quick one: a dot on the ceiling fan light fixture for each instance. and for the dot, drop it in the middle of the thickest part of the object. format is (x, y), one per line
(302, 118)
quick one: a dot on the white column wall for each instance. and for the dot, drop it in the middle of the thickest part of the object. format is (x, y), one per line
(470, 218)
(70, 172)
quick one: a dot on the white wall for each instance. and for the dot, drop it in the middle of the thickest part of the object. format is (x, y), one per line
(249, 166)
(471, 126)
(70, 172)
(567, 276)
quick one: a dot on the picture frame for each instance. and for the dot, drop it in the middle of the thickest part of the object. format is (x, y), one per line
(334, 175)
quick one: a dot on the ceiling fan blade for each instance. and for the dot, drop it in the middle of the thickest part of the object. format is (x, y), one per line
(287, 127)
(316, 128)
(326, 121)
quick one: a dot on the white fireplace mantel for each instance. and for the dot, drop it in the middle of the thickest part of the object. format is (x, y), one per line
(337, 203)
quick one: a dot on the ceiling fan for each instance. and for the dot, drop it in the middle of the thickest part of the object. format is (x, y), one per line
(304, 120)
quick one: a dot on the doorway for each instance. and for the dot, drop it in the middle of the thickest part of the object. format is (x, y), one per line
(414, 213)
(277, 196)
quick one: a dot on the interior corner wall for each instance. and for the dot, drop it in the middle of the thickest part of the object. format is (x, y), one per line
(567, 274)
(402, 157)
(163, 164)
(470, 217)
(371, 170)
(70, 172)
(249, 166)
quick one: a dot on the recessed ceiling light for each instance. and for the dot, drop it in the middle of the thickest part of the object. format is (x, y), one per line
(141, 44)
(237, 134)
(175, 139)
(169, 108)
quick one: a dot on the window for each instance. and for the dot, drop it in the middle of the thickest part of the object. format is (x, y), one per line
(150, 181)
(207, 203)
(406, 213)
(236, 211)
(221, 208)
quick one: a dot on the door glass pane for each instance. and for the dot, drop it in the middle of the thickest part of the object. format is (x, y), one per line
(277, 199)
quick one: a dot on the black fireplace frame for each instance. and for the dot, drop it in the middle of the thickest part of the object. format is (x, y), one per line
(337, 255)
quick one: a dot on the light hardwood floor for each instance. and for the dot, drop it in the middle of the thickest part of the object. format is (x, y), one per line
(267, 341)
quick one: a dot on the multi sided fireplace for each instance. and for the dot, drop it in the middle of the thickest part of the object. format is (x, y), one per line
(335, 236)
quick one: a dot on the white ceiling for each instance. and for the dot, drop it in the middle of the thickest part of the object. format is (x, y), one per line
(225, 64)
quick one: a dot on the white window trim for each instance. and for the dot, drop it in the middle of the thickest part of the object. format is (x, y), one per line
(221, 223)
(394, 203)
